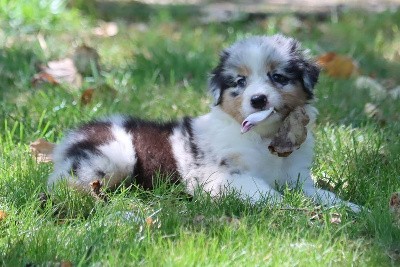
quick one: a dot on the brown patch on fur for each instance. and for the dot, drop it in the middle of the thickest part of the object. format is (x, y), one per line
(244, 71)
(96, 134)
(154, 154)
(297, 97)
(232, 105)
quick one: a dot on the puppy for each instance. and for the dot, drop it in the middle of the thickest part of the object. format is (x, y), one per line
(256, 74)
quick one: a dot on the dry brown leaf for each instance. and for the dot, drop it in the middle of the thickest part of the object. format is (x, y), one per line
(3, 215)
(43, 77)
(106, 29)
(315, 216)
(98, 92)
(87, 96)
(42, 150)
(95, 187)
(338, 66)
(336, 218)
(291, 134)
(66, 264)
(85, 59)
(394, 207)
(149, 221)
(59, 71)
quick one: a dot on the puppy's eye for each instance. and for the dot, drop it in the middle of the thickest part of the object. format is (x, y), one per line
(241, 81)
(279, 78)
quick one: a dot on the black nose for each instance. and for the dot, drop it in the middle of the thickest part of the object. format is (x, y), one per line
(258, 101)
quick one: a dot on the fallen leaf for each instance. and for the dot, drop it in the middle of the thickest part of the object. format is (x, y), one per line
(96, 192)
(87, 96)
(42, 150)
(336, 218)
(149, 221)
(338, 66)
(315, 216)
(106, 29)
(58, 71)
(394, 208)
(3, 215)
(98, 92)
(43, 77)
(66, 264)
(86, 60)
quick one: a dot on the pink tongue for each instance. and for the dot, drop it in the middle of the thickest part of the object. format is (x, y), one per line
(254, 119)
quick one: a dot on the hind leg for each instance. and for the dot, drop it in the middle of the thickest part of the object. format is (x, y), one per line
(80, 173)
(101, 151)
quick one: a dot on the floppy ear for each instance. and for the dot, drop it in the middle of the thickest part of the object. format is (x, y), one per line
(310, 77)
(217, 82)
(306, 70)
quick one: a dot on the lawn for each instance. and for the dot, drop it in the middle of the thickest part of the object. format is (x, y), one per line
(156, 67)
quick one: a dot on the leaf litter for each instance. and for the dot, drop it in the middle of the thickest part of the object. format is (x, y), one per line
(84, 62)
(3, 215)
(58, 71)
(338, 66)
(42, 150)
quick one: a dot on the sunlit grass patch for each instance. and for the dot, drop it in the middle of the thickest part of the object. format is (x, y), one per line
(158, 67)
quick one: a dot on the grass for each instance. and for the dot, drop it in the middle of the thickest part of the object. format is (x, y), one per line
(160, 73)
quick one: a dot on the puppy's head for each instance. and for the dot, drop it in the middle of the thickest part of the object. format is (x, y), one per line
(262, 72)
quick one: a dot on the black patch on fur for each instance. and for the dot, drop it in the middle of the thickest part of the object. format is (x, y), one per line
(307, 72)
(75, 166)
(219, 82)
(223, 163)
(100, 173)
(234, 94)
(233, 172)
(294, 46)
(153, 151)
(187, 128)
(96, 133)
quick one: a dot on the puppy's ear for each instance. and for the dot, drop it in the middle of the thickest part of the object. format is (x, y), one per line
(310, 77)
(217, 82)
(305, 69)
